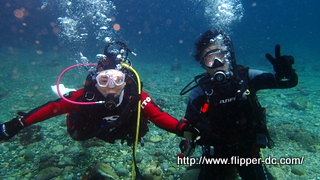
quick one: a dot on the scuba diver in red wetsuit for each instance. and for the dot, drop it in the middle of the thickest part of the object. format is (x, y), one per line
(114, 117)
(224, 107)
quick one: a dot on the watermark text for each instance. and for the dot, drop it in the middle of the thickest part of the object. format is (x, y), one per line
(236, 160)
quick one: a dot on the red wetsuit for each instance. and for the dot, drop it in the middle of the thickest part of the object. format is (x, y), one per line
(87, 121)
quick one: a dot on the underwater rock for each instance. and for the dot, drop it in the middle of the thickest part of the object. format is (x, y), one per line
(72, 150)
(49, 173)
(153, 173)
(313, 148)
(27, 154)
(139, 157)
(66, 161)
(92, 143)
(288, 132)
(120, 169)
(161, 159)
(172, 170)
(101, 171)
(21, 160)
(30, 135)
(92, 174)
(300, 103)
(57, 148)
(106, 170)
(278, 173)
(298, 170)
(191, 174)
(48, 160)
(155, 138)
(4, 148)
(122, 172)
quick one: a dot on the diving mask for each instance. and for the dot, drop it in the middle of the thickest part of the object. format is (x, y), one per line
(216, 58)
(110, 78)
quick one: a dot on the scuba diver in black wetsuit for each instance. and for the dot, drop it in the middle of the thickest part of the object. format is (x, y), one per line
(224, 108)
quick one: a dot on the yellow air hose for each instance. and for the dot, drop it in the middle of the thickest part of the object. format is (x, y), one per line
(138, 119)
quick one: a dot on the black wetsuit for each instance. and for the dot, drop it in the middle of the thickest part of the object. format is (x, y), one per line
(234, 122)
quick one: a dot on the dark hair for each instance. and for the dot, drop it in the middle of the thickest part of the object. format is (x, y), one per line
(204, 42)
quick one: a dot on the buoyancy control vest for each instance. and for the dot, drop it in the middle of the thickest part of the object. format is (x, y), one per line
(108, 125)
(231, 113)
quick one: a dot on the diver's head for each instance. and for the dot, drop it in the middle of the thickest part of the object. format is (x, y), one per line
(106, 61)
(215, 53)
(110, 84)
(114, 54)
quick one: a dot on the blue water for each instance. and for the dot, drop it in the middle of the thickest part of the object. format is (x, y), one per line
(33, 51)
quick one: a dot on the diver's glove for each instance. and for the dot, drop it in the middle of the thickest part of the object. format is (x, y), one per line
(187, 131)
(282, 65)
(10, 128)
(191, 134)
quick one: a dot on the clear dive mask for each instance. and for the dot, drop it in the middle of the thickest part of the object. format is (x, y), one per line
(110, 78)
(216, 58)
